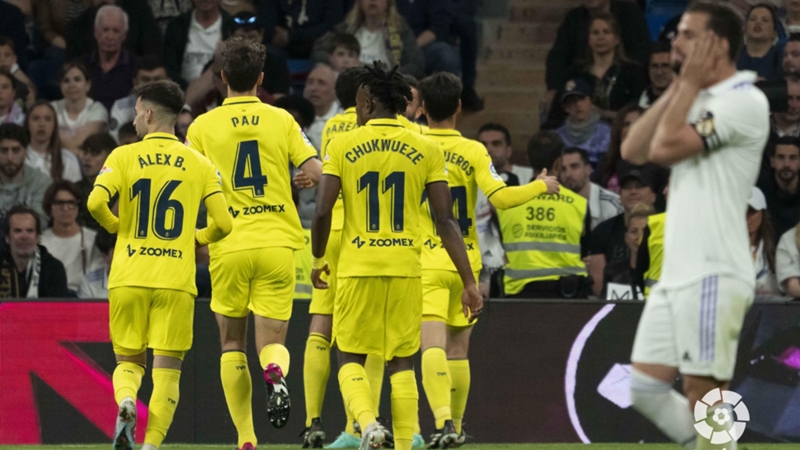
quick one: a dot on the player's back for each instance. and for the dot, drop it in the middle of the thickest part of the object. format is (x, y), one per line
(252, 145)
(161, 184)
(469, 167)
(383, 169)
(336, 125)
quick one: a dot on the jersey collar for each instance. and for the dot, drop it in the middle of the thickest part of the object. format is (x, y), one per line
(385, 123)
(350, 110)
(442, 132)
(741, 77)
(240, 100)
(169, 136)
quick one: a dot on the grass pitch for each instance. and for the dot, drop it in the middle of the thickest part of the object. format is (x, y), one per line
(742, 446)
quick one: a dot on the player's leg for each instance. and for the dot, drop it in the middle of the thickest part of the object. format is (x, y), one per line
(460, 375)
(230, 295)
(128, 312)
(655, 363)
(171, 327)
(316, 370)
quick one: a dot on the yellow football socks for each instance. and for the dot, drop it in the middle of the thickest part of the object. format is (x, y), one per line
(275, 353)
(163, 402)
(459, 390)
(238, 390)
(375, 366)
(316, 370)
(355, 389)
(127, 379)
(436, 382)
(405, 399)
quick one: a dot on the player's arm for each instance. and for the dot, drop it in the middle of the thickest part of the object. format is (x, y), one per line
(449, 231)
(312, 169)
(106, 186)
(327, 193)
(221, 223)
(512, 196)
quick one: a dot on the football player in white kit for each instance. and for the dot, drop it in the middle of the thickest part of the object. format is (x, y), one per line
(710, 127)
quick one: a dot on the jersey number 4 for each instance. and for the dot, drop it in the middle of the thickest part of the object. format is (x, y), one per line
(459, 196)
(247, 172)
(395, 182)
(161, 210)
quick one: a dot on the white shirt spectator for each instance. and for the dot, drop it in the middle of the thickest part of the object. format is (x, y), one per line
(94, 284)
(200, 47)
(314, 132)
(16, 115)
(706, 233)
(121, 113)
(69, 250)
(766, 281)
(787, 259)
(92, 112)
(72, 167)
(603, 205)
(373, 46)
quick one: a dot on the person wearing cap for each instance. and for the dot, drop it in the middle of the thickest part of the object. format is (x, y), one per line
(762, 245)
(607, 242)
(583, 127)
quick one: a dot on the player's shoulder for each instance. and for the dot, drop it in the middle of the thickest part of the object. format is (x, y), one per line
(740, 94)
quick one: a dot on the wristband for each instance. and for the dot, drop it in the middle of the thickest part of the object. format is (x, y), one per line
(317, 263)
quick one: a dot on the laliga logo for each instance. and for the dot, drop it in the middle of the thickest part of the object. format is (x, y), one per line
(721, 427)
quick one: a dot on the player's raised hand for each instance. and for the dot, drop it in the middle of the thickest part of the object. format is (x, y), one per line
(552, 183)
(701, 62)
(471, 302)
(302, 181)
(316, 279)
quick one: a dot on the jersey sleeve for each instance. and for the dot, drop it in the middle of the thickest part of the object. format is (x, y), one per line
(213, 179)
(193, 138)
(110, 176)
(330, 163)
(300, 148)
(436, 170)
(734, 118)
(485, 175)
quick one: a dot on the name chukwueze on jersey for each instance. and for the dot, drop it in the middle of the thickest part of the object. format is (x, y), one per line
(384, 145)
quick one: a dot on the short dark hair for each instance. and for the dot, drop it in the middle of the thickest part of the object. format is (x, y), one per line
(5, 73)
(242, 63)
(724, 21)
(6, 41)
(347, 84)
(661, 47)
(787, 140)
(390, 89)
(441, 93)
(492, 126)
(15, 132)
(148, 63)
(302, 106)
(69, 65)
(20, 209)
(55, 188)
(164, 93)
(413, 82)
(577, 151)
(544, 149)
(105, 241)
(794, 37)
(127, 129)
(348, 41)
(99, 143)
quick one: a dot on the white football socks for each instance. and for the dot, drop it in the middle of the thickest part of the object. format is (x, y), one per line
(665, 407)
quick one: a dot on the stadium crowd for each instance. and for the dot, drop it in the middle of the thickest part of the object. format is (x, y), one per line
(67, 68)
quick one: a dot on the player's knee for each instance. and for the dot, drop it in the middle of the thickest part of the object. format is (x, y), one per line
(168, 359)
(645, 388)
(397, 365)
(695, 388)
(321, 324)
(134, 355)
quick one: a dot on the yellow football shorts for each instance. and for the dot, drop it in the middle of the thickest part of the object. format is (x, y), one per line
(378, 315)
(441, 298)
(322, 300)
(146, 317)
(259, 280)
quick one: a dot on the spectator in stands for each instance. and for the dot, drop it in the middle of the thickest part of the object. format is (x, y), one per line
(320, 91)
(572, 40)
(465, 28)
(497, 140)
(660, 74)
(53, 17)
(95, 283)
(141, 37)
(787, 262)
(583, 127)
(607, 171)
(344, 52)
(431, 21)
(293, 26)
(44, 151)
(761, 53)
(24, 87)
(66, 240)
(27, 269)
(111, 68)
(185, 118)
(166, 10)
(12, 24)
(414, 108)
(93, 153)
(10, 109)
(78, 115)
(762, 243)
(791, 55)
(615, 79)
(792, 21)
(383, 35)
(623, 271)
(277, 80)
(191, 40)
(301, 109)
(127, 134)
(18, 184)
(781, 186)
(147, 70)
(574, 174)
(787, 123)
(607, 244)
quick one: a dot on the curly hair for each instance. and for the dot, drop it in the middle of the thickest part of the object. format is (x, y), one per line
(389, 88)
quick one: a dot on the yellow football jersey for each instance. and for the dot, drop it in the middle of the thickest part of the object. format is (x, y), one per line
(383, 169)
(413, 126)
(469, 168)
(252, 144)
(340, 123)
(161, 183)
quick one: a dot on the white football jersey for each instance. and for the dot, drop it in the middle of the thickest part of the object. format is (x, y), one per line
(706, 232)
